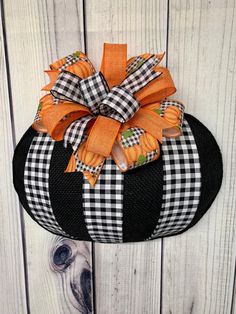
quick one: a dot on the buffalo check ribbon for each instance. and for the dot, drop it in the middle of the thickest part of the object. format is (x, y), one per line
(83, 111)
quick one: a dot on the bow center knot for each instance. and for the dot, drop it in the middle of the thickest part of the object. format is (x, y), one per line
(119, 104)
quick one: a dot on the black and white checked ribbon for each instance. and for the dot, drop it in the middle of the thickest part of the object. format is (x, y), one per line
(182, 183)
(88, 92)
(103, 204)
(75, 133)
(36, 181)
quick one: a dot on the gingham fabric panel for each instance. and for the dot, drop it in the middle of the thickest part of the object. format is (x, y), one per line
(182, 184)
(36, 181)
(103, 204)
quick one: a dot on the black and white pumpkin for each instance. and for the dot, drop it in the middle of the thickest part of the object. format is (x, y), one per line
(162, 198)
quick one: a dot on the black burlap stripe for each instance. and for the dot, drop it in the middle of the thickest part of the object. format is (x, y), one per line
(142, 200)
(18, 164)
(66, 194)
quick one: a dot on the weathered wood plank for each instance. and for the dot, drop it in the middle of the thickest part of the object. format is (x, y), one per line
(198, 266)
(12, 282)
(127, 275)
(140, 24)
(233, 303)
(39, 32)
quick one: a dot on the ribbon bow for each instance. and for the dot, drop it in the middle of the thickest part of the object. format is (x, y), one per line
(124, 120)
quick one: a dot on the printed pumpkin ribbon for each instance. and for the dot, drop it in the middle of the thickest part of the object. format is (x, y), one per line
(126, 121)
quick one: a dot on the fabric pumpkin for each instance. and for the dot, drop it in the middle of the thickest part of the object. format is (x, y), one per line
(168, 187)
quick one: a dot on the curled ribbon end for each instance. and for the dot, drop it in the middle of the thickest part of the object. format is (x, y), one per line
(39, 127)
(119, 157)
(172, 132)
(161, 56)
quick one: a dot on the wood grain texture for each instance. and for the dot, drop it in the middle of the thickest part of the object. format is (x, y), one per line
(190, 273)
(39, 32)
(141, 24)
(198, 266)
(12, 282)
(128, 276)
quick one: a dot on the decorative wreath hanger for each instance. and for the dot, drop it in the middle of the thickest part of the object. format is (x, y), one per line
(121, 111)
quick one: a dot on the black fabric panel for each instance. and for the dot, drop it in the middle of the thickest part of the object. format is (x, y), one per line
(18, 167)
(211, 167)
(66, 194)
(142, 200)
(18, 164)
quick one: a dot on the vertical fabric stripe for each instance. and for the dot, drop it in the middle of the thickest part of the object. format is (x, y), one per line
(103, 204)
(182, 184)
(36, 181)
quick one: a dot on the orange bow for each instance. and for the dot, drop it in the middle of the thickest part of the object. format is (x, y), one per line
(103, 134)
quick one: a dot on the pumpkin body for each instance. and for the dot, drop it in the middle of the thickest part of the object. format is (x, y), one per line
(162, 198)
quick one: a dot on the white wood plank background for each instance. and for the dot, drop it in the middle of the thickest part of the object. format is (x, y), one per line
(12, 282)
(198, 266)
(39, 32)
(189, 273)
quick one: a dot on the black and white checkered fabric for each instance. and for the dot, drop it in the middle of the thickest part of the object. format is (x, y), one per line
(182, 183)
(36, 180)
(70, 59)
(134, 65)
(75, 133)
(142, 76)
(37, 117)
(88, 92)
(119, 104)
(94, 89)
(67, 88)
(149, 157)
(103, 204)
(165, 103)
(80, 166)
(74, 58)
(132, 139)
